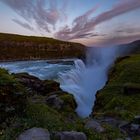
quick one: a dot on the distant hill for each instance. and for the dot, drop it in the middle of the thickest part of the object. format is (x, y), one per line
(17, 47)
(131, 48)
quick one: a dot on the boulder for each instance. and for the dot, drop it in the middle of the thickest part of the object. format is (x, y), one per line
(70, 135)
(54, 101)
(34, 134)
(61, 100)
(94, 125)
(114, 122)
(50, 86)
(132, 128)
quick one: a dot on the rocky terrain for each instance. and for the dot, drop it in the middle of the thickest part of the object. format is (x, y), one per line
(31, 108)
(38, 109)
(17, 47)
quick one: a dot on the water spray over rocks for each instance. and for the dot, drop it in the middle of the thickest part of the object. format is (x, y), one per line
(86, 79)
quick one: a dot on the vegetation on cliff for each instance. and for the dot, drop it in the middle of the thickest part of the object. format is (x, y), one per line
(17, 47)
(120, 97)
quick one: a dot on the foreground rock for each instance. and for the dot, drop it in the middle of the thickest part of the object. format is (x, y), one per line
(94, 125)
(73, 135)
(35, 134)
(132, 128)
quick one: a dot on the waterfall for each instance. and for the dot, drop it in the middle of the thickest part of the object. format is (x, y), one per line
(86, 79)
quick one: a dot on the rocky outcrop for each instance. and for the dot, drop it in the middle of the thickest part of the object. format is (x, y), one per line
(70, 135)
(62, 101)
(34, 134)
(113, 117)
(94, 125)
(35, 85)
(132, 128)
(17, 47)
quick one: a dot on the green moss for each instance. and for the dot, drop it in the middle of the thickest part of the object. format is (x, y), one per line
(12, 96)
(5, 78)
(44, 116)
(40, 115)
(111, 100)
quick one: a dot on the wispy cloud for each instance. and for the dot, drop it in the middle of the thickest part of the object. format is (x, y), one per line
(128, 30)
(44, 15)
(35, 11)
(84, 24)
(119, 39)
(23, 24)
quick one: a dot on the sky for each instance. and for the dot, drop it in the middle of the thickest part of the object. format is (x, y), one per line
(91, 22)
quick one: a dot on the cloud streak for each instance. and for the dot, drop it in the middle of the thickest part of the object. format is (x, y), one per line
(24, 25)
(45, 15)
(35, 11)
(128, 30)
(84, 24)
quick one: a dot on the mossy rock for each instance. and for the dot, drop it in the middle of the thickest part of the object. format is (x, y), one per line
(35, 85)
(67, 101)
(50, 86)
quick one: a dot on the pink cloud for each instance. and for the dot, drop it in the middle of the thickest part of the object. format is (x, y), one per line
(35, 11)
(84, 24)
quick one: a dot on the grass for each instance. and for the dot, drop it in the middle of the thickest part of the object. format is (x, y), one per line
(40, 115)
(112, 100)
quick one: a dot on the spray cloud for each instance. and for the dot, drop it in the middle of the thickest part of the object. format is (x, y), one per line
(85, 80)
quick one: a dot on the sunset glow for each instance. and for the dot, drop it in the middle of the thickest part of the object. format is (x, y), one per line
(93, 23)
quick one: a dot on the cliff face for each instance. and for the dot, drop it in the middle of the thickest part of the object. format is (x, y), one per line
(16, 47)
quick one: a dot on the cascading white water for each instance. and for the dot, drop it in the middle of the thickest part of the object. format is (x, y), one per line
(85, 80)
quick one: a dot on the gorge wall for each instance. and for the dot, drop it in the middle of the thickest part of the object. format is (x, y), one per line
(17, 47)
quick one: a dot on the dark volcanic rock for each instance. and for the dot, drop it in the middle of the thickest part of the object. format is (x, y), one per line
(61, 101)
(50, 86)
(29, 81)
(114, 122)
(132, 128)
(131, 88)
(35, 85)
(55, 102)
(34, 134)
(136, 119)
(70, 135)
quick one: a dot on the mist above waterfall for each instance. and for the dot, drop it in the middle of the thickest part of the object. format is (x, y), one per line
(86, 79)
